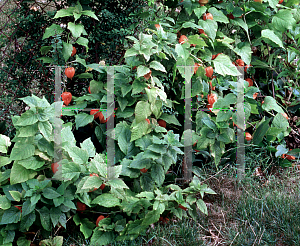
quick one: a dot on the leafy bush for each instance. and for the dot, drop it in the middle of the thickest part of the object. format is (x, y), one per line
(33, 198)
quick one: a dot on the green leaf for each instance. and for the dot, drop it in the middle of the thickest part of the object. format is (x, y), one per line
(76, 16)
(268, 34)
(90, 13)
(117, 184)
(142, 70)
(26, 151)
(271, 104)
(76, 30)
(241, 23)
(261, 130)
(86, 227)
(28, 131)
(79, 156)
(53, 30)
(181, 52)
(102, 237)
(217, 149)
(92, 182)
(131, 52)
(99, 165)
(27, 118)
(11, 215)
(20, 174)
(124, 140)
(146, 181)
(151, 217)
(81, 61)
(64, 12)
(283, 20)
(45, 49)
(22, 241)
(200, 11)
(218, 15)
(16, 195)
(46, 59)
(70, 170)
(280, 122)
(4, 161)
(85, 76)
(202, 206)
(106, 200)
(27, 221)
(67, 50)
(157, 66)
(158, 174)
(88, 145)
(50, 193)
(45, 218)
(142, 111)
(46, 129)
(170, 119)
(291, 3)
(210, 123)
(224, 66)
(83, 41)
(210, 27)
(137, 87)
(243, 49)
(4, 202)
(4, 143)
(83, 119)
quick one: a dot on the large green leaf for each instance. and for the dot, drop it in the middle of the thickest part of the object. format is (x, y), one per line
(27, 118)
(64, 12)
(46, 130)
(20, 174)
(53, 30)
(261, 130)
(4, 144)
(268, 34)
(218, 15)
(283, 20)
(157, 174)
(78, 155)
(157, 66)
(243, 49)
(83, 120)
(45, 218)
(76, 29)
(102, 237)
(142, 111)
(11, 215)
(224, 66)
(271, 104)
(210, 27)
(67, 50)
(90, 13)
(106, 200)
(4, 202)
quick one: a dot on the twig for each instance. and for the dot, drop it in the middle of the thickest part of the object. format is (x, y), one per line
(234, 239)
(215, 174)
(62, 226)
(35, 235)
(202, 227)
(261, 236)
